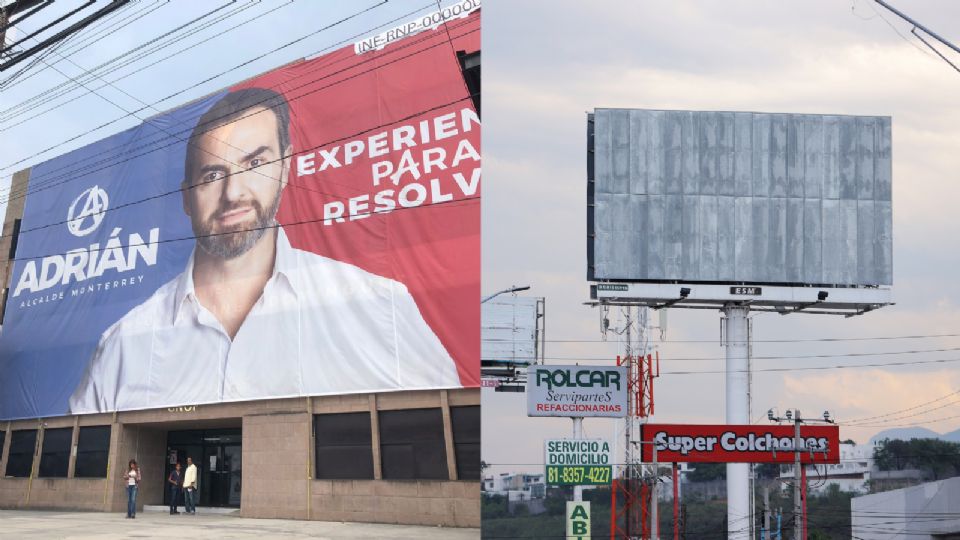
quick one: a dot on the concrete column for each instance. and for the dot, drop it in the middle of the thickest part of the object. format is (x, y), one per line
(72, 460)
(5, 450)
(448, 435)
(311, 453)
(375, 438)
(113, 481)
(739, 520)
(35, 466)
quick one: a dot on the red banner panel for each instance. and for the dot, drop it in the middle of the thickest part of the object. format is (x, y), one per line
(679, 443)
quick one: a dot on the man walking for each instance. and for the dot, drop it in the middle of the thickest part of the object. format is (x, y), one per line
(175, 480)
(190, 488)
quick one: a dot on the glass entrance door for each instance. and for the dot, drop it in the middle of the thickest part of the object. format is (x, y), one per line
(217, 455)
(221, 475)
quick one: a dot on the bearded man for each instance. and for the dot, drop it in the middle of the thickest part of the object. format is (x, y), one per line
(251, 317)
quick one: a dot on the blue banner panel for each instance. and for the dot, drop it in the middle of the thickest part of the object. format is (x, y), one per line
(103, 228)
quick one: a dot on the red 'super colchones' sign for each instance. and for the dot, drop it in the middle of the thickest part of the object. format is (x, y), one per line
(739, 443)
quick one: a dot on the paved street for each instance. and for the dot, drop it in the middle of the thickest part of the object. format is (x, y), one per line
(35, 524)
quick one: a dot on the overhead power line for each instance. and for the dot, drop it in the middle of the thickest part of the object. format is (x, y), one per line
(810, 368)
(896, 413)
(105, 26)
(74, 174)
(125, 59)
(15, 194)
(117, 105)
(809, 340)
(59, 36)
(775, 357)
(301, 222)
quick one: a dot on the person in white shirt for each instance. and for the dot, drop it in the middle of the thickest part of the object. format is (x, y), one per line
(190, 488)
(133, 482)
(252, 317)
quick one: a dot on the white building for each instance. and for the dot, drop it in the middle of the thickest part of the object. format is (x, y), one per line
(925, 512)
(852, 474)
(517, 487)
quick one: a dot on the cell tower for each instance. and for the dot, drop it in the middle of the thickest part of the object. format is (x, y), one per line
(630, 493)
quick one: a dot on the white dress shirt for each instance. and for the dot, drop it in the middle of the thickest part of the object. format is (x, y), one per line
(320, 327)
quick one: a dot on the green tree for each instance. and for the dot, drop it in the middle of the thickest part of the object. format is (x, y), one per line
(938, 458)
(493, 506)
(704, 472)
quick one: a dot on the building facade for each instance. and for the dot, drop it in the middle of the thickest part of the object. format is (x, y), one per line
(399, 457)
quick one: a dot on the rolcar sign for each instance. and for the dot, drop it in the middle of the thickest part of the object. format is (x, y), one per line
(576, 391)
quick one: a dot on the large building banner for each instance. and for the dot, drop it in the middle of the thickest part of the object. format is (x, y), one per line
(312, 231)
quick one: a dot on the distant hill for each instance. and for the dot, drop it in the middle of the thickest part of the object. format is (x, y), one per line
(914, 433)
(953, 436)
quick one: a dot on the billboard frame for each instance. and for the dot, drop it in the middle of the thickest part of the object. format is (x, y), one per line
(846, 301)
(780, 297)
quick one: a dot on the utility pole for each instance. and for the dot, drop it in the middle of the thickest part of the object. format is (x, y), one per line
(676, 502)
(683, 522)
(797, 503)
(629, 470)
(654, 496)
(766, 512)
(799, 528)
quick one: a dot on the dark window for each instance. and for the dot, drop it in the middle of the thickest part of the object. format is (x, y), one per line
(23, 445)
(344, 446)
(55, 456)
(14, 237)
(3, 437)
(93, 445)
(470, 66)
(3, 306)
(466, 441)
(412, 445)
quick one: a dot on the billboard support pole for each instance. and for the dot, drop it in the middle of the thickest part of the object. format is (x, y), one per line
(578, 434)
(736, 342)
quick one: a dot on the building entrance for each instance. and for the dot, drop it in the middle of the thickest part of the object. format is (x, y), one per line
(216, 453)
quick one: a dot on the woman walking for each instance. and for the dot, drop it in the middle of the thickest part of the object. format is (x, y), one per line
(133, 481)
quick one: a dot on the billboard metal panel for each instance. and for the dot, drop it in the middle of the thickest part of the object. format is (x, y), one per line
(311, 231)
(706, 197)
(511, 330)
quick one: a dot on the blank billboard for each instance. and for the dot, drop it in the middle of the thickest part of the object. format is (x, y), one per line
(510, 330)
(740, 197)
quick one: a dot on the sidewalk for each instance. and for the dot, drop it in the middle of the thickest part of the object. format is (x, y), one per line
(36, 524)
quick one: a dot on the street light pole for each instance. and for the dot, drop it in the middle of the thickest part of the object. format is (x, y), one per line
(512, 289)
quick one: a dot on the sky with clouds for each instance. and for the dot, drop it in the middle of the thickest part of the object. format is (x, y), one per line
(548, 63)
